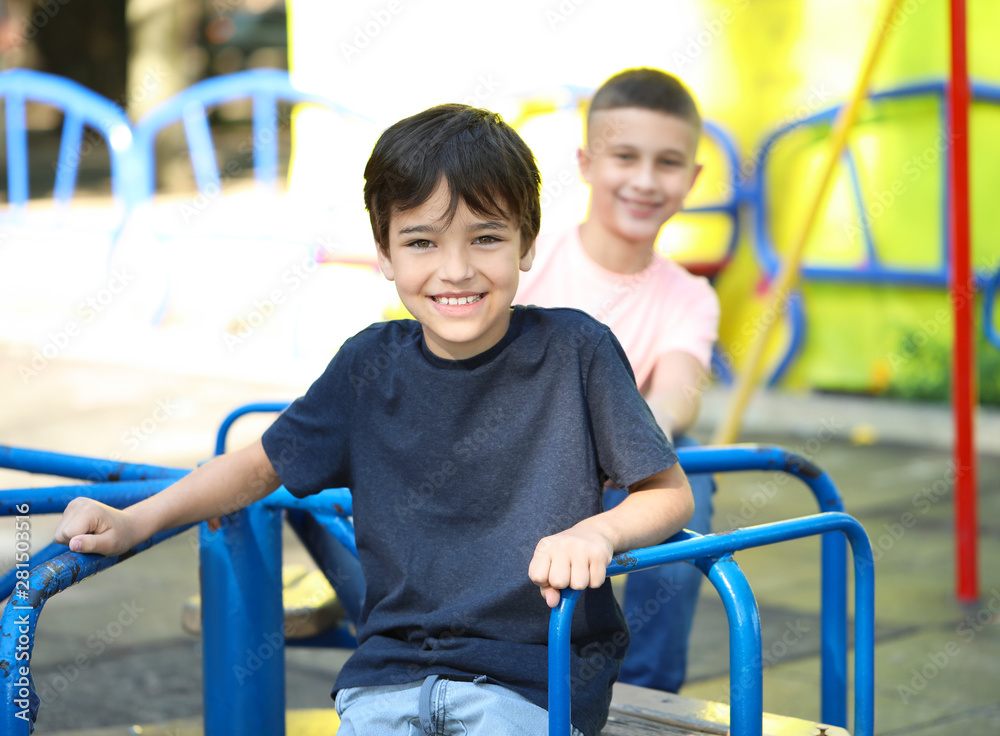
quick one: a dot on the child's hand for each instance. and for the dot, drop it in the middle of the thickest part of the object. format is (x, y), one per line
(576, 558)
(92, 527)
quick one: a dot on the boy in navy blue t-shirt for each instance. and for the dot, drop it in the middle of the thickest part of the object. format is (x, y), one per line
(476, 455)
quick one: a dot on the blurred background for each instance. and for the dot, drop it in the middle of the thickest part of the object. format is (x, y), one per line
(141, 299)
(768, 75)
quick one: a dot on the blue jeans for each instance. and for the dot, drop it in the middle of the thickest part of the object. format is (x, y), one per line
(438, 707)
(660, 603)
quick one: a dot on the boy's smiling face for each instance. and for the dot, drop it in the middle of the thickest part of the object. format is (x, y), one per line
(457, 278)
(640, 165)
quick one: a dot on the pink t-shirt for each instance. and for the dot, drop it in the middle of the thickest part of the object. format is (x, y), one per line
(655, 311)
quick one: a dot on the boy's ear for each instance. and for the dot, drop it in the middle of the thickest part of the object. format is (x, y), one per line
(583, 159)
(384, 264)
(527, 259)
(694, 178)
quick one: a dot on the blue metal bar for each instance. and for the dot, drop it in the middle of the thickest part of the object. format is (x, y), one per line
(687, 546)
(227, 423)
(17, 150)
(20, 619)
(265, 139)
(20, 85)
(68, 162)
(797, 317)
(81, 466)
(747, 700)
(989, 304)
(53, 499)
(746, 687)
(243, 640)
(833, 594)
(850, 161)
(335, 500)
(9, 579)
(199, 138)
(253, 83)
(714, 545)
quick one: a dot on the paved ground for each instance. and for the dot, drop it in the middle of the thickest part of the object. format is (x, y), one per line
(111, 652)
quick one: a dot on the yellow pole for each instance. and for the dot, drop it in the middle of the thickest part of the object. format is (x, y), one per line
(729, 429)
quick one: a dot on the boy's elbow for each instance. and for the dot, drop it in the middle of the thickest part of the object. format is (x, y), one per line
(687, 510)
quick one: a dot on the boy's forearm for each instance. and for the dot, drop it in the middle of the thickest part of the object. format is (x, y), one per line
(221, 486)
(654, 510)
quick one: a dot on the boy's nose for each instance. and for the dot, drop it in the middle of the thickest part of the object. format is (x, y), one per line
(456, 266)
(644, 178)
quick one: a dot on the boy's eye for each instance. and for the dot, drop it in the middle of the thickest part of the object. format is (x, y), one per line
(671, 162)
(486, 240)
(625, 156)
(419, 244)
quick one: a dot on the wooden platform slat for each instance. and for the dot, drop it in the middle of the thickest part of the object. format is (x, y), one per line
(639, 711)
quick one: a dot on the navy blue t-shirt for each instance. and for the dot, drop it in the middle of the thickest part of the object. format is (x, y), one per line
(457, 468)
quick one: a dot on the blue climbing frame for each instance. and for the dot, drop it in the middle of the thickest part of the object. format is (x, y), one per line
(242, 562)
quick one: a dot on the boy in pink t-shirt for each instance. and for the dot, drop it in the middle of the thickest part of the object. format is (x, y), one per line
(639, 160)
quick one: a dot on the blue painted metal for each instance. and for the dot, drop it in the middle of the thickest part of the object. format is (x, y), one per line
(20, 618)
(256, 408)
(82, 107)
(746, 685)
(264, 86)
(9, 578)
(81, 466)
(53, 499)
(833, 606)
(243, 624)
(873, 271)
(989, 306)
(695, 547)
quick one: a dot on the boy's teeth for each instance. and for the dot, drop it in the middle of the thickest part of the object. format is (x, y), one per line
(454, 301)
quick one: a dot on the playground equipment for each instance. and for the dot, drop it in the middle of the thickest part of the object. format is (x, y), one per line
(241, 562)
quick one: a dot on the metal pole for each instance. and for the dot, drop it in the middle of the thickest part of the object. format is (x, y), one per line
(963, 385)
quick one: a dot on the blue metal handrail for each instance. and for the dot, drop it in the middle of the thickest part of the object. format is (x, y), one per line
(747, 711)
(989, 306)
(80, 107)
(833, 608)
(20, 619)
(266, 87)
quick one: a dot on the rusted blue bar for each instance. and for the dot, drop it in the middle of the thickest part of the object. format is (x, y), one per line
(81, 467)
(53, 499)
(20, 618)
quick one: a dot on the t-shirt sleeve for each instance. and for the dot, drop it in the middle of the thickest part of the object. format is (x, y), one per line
(309, 443)
(630, 444)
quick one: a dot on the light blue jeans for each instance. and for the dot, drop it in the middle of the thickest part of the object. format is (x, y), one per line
(438, 707)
